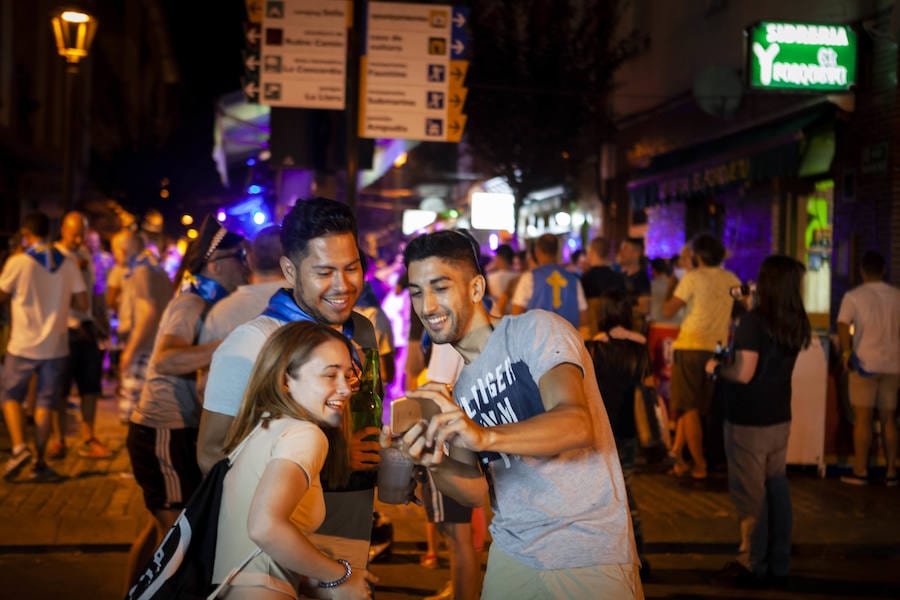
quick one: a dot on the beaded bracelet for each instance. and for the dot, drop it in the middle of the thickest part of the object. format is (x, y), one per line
(337, 582)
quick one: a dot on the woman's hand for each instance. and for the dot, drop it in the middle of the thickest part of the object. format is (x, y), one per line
(355, 588)
(711, 365)
(364, 454)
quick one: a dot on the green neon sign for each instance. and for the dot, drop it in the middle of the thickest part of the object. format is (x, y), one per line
(801, 56)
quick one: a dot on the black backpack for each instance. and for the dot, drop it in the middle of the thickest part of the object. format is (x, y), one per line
(182, 566)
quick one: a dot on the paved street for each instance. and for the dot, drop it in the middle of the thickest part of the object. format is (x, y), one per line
(70, 539)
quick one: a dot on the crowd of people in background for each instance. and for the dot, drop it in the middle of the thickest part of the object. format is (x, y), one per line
(597, 347)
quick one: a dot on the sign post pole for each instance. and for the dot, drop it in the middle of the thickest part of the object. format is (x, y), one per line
(355, 24)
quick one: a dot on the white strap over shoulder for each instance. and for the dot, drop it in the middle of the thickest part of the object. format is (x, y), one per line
(244, 441)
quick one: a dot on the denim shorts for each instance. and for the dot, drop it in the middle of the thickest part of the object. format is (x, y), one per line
(51, 377)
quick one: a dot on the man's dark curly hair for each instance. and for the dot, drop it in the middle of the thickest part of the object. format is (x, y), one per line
(709, 249)
(448, 244)
(313, 218)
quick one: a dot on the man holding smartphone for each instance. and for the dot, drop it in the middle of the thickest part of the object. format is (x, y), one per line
(527, 408)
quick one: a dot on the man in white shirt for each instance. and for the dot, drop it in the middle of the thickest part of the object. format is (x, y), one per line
(248, 301)
(42, 284)
(873, 361)
(323, 266)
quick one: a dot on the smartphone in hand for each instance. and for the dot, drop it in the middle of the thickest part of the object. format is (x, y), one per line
(405, 412)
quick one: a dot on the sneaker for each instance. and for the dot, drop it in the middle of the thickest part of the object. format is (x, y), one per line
(446, 593)
(854, 479)
(429, 561)
(56, 451)
(15, 463)
(42, 473)
(93, 448)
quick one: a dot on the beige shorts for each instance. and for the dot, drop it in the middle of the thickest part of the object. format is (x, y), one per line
(508, 578)
(879, 390)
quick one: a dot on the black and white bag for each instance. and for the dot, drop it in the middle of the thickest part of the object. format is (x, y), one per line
(182, 566)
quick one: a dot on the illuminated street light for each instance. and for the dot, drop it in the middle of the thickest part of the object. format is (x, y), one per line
(74, 31)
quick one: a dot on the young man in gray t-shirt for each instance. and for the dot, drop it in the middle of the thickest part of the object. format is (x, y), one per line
(527, 408)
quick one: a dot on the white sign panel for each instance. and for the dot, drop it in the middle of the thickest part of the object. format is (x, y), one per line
(405, 71)
(303, 53)
(493, 211)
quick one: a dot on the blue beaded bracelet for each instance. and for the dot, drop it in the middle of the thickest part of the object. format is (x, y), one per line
(337, 582)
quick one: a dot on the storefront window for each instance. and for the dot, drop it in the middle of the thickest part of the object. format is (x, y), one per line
(817, 244)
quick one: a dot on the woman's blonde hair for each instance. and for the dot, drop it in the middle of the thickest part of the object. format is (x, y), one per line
(286, 350)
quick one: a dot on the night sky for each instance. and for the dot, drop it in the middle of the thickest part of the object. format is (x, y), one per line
(207, 39)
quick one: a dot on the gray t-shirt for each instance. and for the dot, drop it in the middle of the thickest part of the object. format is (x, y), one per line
(170, 401)
(147, 282)
(560, 512)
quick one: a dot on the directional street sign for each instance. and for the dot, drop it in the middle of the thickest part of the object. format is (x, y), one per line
(251, 34)
(303, 53)
(412, 72)
(251, 90)
(251, 62)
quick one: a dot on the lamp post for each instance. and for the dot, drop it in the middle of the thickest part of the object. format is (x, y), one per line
(74, 32)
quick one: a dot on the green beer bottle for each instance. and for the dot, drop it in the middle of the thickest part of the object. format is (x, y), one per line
(365, 404)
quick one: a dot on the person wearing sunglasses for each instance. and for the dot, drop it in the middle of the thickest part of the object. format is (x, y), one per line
(162, 433)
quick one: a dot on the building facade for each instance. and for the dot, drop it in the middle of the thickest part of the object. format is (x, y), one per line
(804, 172)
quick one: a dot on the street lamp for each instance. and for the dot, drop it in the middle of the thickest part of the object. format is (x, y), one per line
(74, 31)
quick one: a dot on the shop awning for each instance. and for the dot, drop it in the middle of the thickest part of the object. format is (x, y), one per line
(800, 145)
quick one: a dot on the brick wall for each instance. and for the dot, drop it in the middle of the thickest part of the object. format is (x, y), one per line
(747, 230)
(867, 217)
(665, 230)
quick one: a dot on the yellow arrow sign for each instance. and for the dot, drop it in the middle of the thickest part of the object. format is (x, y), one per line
(458, 70)
(456, 99)
(455, 127)
(456, 102)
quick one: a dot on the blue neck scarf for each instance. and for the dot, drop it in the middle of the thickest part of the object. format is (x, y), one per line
(283, 307)
(145, 258)
(208, 289)
(47, 256)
